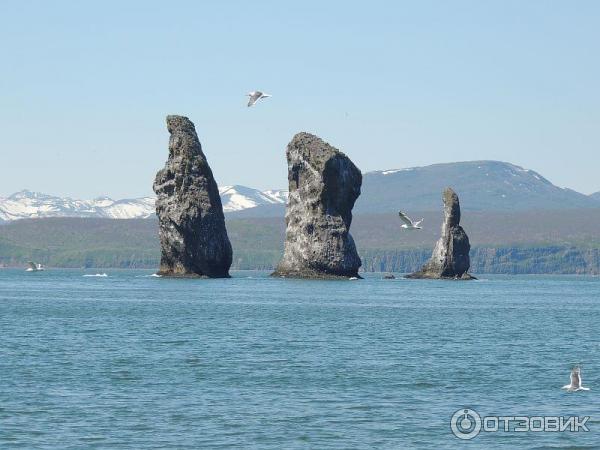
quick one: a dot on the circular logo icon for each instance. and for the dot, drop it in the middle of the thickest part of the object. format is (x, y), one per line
(465, 424)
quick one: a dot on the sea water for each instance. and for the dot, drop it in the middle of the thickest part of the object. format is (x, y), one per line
(133, 361)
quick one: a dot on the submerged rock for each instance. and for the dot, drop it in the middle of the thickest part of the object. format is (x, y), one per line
(323, 186)
(450, 258)
(193, 238)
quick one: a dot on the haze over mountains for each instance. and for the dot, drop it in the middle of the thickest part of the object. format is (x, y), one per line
(482, 186)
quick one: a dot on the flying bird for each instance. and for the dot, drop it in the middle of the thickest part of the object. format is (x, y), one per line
(575, 381)
(409, 224)
(256, 96)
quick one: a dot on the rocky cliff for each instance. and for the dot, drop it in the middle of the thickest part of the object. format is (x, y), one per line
(193, 238)
(323, 186)
(450, 258)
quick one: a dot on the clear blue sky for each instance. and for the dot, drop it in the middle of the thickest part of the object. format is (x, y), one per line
(85, 86)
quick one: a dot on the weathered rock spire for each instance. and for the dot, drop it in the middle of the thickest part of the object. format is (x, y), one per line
(193, 238)
(450, 258)
(323, 186)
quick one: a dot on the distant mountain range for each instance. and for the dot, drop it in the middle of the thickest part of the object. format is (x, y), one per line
(26, 204)
(481, 185)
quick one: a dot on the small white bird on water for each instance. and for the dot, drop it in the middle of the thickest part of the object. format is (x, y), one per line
(256, 96)
(575, 381)
(33, 267)
(409, 224)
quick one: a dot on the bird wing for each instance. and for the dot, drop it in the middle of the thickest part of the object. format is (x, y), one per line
(254, 96)
(404, 218)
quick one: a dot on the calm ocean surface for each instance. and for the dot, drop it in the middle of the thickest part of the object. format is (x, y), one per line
(133, 361)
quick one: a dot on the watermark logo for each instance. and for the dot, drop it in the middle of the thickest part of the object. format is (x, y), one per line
(467, 424)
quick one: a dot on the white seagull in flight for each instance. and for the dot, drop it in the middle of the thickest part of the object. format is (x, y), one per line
(575, 381)
(409, 224)
(256, 96)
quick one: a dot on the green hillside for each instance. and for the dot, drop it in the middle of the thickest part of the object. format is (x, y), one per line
(504, 242)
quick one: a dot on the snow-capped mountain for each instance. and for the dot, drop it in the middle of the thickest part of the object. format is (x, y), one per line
(238, 198)
(27, 204)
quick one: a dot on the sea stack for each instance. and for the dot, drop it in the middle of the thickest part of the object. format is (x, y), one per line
(323, 186)
(450, 258)
(193, 238)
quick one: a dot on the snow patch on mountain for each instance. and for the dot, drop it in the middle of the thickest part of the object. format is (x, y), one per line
(278, 196)
(391, 172)
(129, 209)
(238, 198)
